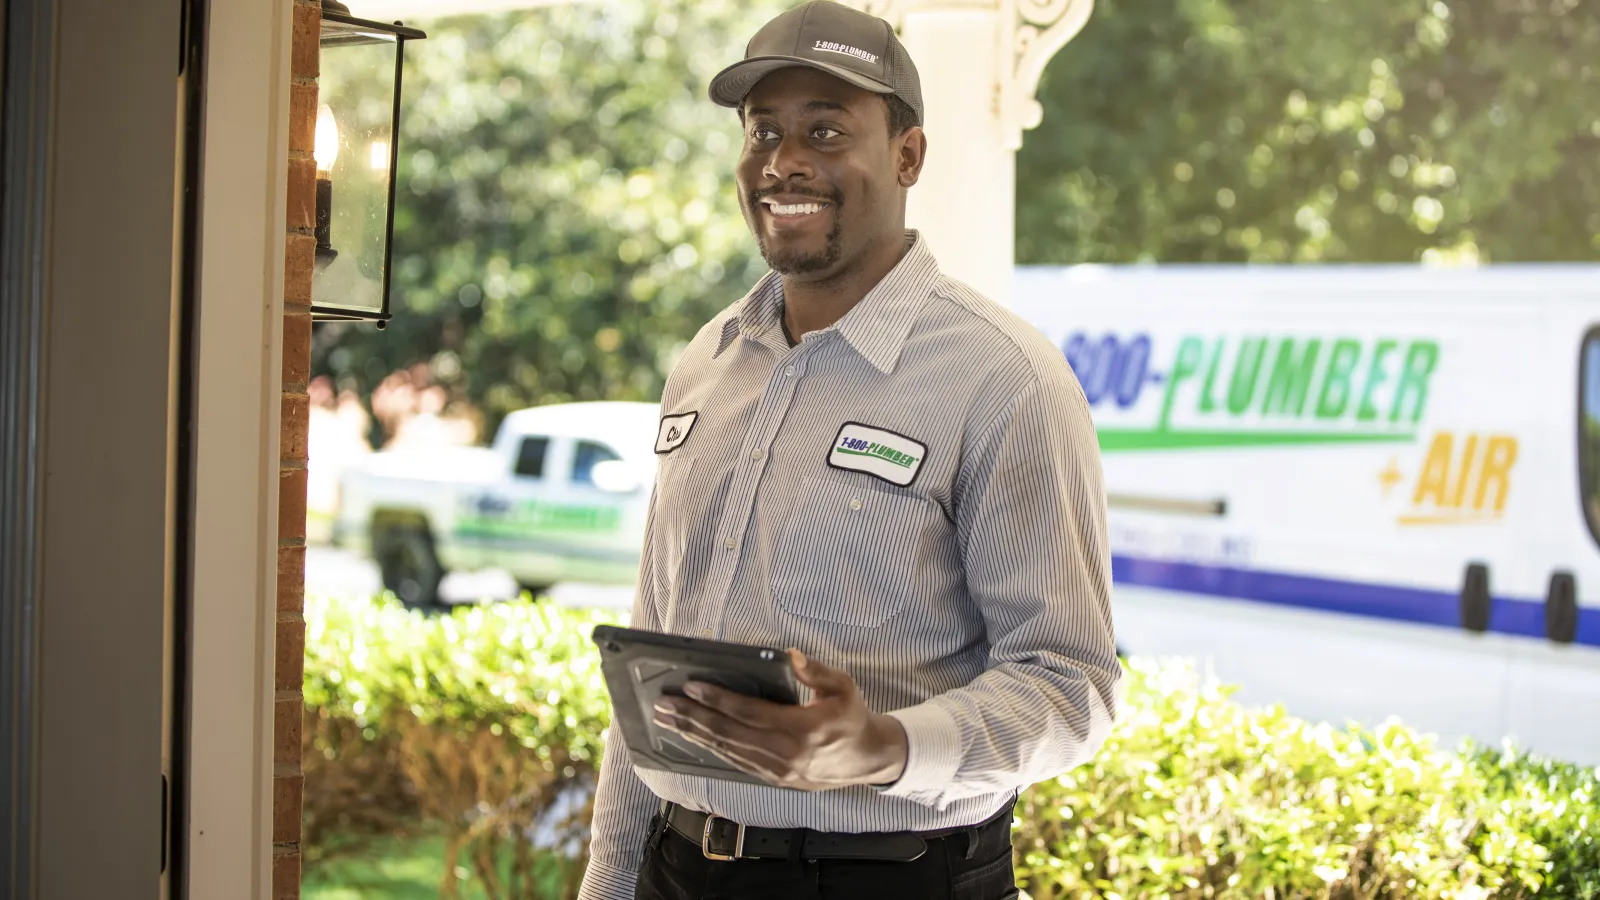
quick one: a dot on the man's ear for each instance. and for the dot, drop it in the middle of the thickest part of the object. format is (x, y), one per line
(911, 151)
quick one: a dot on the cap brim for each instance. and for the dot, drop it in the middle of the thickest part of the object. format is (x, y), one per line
(730, 86)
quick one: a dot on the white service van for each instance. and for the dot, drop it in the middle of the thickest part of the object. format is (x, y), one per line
(561, 495)
(1360, 491)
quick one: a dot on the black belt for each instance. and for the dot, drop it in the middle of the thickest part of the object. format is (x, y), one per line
(723, 840)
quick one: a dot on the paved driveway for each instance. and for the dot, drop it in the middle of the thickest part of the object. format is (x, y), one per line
(330, 571)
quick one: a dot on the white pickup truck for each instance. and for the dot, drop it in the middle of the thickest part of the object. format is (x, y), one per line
(561, 495)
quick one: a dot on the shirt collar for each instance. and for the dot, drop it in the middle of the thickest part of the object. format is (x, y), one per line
(876, 327)
(756, 313)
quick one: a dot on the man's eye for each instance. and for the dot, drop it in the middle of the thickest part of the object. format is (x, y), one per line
(763, 133)
(825, 133)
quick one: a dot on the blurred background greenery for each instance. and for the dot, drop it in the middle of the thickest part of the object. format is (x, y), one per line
(1315, 131)
(566, 219)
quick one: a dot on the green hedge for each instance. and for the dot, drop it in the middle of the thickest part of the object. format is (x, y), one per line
(487, 725)
(484, 724)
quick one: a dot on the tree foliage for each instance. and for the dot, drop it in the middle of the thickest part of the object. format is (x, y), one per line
(566, 217)
(1363, 130)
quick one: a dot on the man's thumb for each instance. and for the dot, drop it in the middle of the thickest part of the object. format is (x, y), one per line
(817, 676)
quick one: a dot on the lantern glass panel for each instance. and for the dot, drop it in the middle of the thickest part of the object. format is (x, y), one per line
(356, 90)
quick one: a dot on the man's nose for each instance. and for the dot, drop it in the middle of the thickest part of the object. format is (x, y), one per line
(791, 158)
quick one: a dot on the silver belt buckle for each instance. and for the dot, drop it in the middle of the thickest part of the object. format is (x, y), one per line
(705, 840)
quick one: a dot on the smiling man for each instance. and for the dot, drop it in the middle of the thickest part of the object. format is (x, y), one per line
(868, 462)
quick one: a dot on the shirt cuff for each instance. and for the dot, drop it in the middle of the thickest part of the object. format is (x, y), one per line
(603, 882)
(933, 753)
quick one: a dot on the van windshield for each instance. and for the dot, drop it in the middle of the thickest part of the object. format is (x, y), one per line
(1589, 431)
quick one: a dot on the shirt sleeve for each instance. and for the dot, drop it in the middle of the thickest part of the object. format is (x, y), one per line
(623, 805)
(1031, 525)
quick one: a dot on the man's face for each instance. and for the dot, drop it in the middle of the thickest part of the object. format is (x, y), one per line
(819, 177)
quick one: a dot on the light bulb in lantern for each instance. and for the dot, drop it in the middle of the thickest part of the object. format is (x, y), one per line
(326, 147)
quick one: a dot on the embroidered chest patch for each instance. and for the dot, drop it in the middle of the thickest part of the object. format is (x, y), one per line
(878, 452)
(674, 431)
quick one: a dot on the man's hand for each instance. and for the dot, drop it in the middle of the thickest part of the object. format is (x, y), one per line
(831, 742)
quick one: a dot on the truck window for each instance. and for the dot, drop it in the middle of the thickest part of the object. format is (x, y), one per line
(584, 459)
(530, 457)
(1589, 430)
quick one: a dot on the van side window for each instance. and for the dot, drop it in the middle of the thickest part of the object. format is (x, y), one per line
(530, 457)
(587, 456)
(1589, 430)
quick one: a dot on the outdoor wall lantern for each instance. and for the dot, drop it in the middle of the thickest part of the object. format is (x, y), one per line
(358, 125)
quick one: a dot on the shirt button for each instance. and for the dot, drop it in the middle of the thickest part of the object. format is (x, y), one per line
(855, 502)
(756, 453)
(789, 371)
(730, 543)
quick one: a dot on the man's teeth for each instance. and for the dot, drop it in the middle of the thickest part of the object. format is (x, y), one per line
(794, 209)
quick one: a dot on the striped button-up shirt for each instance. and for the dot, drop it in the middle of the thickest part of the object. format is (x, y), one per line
(912, 494)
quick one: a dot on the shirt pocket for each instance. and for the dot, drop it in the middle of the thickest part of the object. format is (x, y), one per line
(845, 552)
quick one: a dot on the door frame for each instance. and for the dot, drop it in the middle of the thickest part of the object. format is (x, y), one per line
(234, 515)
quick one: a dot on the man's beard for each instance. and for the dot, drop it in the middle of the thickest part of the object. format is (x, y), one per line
(791, 261)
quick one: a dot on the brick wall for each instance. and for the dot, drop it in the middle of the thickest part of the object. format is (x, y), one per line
(289, 663)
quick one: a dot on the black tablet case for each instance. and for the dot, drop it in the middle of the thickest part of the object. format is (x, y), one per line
(639, 666)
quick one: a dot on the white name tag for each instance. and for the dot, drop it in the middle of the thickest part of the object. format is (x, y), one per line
(882, 454)
(674, 431)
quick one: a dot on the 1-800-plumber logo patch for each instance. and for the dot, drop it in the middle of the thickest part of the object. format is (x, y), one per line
(878, 452)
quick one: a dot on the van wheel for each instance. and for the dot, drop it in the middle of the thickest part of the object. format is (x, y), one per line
(408, 564)
(535, 589)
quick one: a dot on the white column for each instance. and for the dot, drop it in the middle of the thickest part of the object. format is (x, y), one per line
(980, 62)
(965, 203)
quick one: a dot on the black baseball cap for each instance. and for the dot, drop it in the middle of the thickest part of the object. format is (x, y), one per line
(846, 43)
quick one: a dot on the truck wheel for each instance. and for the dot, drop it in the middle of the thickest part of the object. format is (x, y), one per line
(408, 565)
(535, 589)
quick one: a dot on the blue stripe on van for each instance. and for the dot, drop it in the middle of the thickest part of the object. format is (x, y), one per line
(1379, 601)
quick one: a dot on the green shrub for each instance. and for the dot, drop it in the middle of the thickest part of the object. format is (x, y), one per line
(1557, 805)
(1197, 796)
(479, 724)
(526, 669)
(486, 725)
